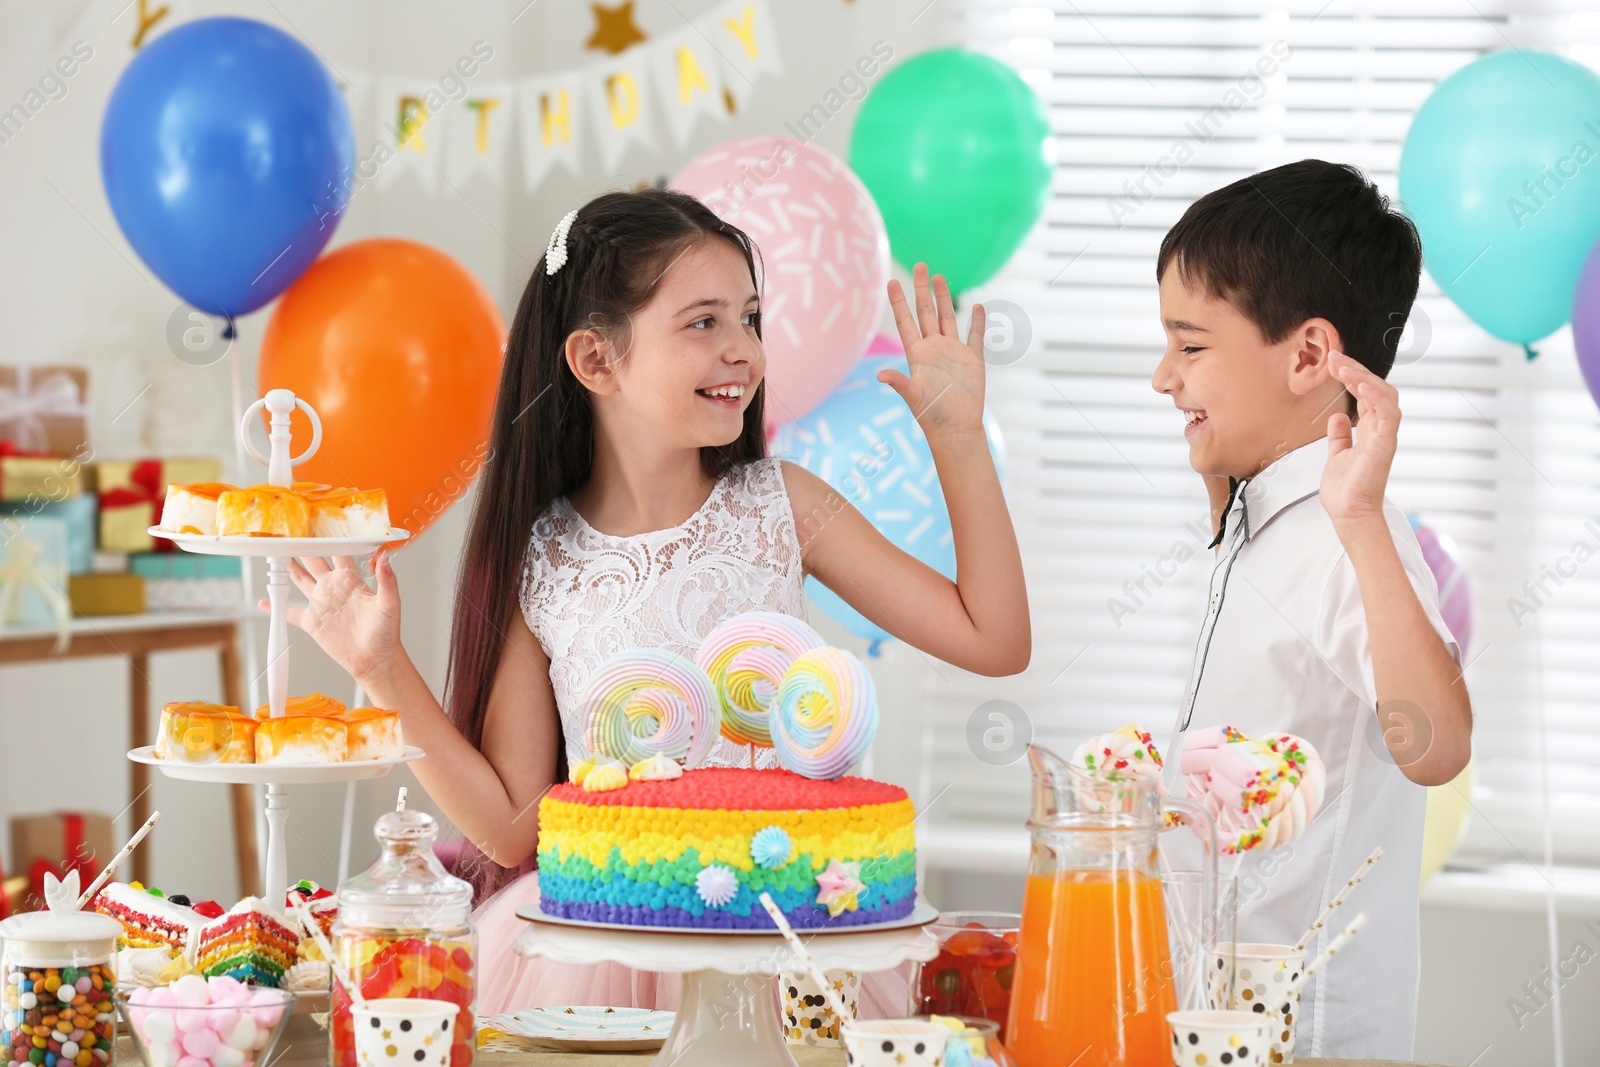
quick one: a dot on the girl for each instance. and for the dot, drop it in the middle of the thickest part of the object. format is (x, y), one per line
(627, 504)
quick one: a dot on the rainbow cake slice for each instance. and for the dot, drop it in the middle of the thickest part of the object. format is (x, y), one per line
(698, 850)
(251, 942)
(149, 921)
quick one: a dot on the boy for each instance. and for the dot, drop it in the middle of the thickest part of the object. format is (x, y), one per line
(1283, 296)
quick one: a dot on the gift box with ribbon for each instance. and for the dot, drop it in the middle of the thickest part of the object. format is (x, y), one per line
(45, 409)
(55, 844)
(80, 513)
(37, 476)
(33, 575)
(132, 493)
(156, 474)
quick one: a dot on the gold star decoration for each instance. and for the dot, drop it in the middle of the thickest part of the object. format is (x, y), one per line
(427, 1042)
(386, 1035)
(614, 28)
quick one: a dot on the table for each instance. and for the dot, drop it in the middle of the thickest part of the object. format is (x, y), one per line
(135, 638)
(305, 1044)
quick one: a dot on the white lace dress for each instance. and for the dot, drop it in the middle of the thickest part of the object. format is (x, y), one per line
(588, 595)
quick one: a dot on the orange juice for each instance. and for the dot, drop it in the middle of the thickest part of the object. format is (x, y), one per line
(1094, 974)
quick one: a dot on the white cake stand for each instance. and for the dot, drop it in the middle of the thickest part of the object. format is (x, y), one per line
(728, 1012)
(281, 405)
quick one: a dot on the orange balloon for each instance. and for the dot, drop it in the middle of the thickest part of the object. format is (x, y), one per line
(399, 350)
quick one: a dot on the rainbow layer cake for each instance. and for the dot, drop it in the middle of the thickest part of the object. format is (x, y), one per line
(149, 920)
(252, 943)
(697, 850)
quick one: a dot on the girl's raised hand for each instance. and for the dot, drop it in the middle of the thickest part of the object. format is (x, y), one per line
(945, 387)
(357, 626)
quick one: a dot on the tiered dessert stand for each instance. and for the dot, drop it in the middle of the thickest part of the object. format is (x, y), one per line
(728, 1011)
(281, 404)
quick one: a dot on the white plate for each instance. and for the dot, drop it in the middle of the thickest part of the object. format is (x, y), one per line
(582, 1029)
(210, 545)
(922, 914)
(273, 773)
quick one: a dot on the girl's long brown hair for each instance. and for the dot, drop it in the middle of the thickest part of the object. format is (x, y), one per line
(541, 446)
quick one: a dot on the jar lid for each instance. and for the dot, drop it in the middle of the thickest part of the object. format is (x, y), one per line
(407, 887)
(61, 921)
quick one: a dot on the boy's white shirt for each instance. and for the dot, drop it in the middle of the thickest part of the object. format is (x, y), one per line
(1284, 648)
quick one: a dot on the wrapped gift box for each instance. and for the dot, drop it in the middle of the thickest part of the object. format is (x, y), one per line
(167, 595)
(106, 594)
(154, 475)
(31, 476)
(131, 495)
(80, 513)
(45, 409)
(182, 566)
(33, 572)
(181, 581)
(58, 843)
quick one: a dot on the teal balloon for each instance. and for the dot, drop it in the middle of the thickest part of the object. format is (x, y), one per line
(956, 150)
(1501, 174)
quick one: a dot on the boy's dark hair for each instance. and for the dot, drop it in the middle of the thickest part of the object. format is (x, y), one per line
(1305, 240)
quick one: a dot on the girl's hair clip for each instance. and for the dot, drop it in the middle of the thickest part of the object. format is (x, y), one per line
(555, 253)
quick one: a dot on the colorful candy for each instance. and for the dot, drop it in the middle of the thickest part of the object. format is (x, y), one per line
(57, 1016)
(404, 967)
(648, 701)
(746, 658)
(825, 714)
(1259, 792)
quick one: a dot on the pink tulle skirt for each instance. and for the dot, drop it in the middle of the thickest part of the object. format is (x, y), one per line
(507, 981)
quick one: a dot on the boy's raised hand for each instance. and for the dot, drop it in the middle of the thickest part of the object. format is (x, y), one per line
(1358, 471)
(945, 387)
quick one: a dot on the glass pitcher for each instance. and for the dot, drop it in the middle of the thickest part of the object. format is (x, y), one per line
(1094, 978)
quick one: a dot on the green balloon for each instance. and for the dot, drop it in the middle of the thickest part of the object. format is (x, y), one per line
(954, 148)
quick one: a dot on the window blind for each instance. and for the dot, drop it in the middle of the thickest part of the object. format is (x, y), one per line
(1153, 103)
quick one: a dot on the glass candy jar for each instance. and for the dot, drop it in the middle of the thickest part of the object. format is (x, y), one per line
(404, 930)
(56, 984)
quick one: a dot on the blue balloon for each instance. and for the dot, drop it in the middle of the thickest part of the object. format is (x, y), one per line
(864, 442)
(225, 150)
(1501, 173)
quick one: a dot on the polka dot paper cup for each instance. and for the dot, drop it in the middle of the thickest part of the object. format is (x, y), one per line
(404, 1032)
(1219, 1038)
(808, 1017)
(1262, 974)
(894, 1043)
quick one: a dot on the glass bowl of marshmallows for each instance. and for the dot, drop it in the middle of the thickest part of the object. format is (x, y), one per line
(200, 1022)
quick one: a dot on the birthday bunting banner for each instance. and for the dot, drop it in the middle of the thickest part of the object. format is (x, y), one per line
(448, 130)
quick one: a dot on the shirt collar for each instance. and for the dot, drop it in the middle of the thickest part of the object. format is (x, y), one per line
(1290, 479)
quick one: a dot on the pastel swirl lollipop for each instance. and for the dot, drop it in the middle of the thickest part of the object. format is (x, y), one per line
(646, 702)
(746, 658)
(1253, 788)
(1305, 781)
(1113, 766)
(825, 714)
